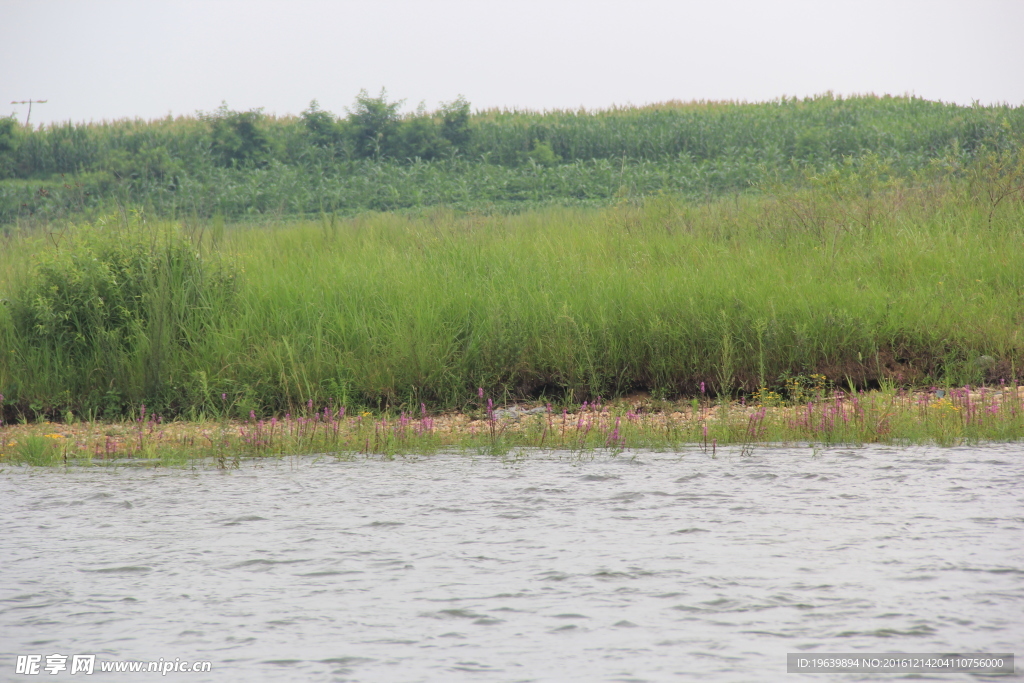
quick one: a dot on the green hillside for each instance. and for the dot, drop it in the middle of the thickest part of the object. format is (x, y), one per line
(248, 165)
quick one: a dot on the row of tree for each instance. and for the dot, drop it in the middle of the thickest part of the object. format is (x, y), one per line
(374, 129)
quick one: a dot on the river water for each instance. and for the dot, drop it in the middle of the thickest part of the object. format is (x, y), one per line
(546, 567)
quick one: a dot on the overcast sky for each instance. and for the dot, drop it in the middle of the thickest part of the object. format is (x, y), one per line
(97, 59)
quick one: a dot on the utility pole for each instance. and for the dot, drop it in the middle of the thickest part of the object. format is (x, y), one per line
(29, 103)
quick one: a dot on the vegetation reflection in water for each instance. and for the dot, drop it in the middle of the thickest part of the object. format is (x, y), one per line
(952, 417)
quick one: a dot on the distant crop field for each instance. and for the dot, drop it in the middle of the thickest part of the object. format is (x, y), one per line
(249, 166)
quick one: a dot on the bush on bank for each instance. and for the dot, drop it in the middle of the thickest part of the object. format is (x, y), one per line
(107, 311)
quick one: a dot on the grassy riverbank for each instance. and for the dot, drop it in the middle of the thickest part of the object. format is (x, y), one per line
(827, 418)
(859, 278)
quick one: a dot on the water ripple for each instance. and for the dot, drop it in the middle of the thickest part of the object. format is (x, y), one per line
(538, 567)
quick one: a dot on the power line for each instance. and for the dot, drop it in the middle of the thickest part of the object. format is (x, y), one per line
(29, 103)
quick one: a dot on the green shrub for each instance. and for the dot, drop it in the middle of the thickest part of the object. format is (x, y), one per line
(238, 138)
(374, 122)
(455, 123)
(8, 145)
(116, 300)
(543, 155)
(324, 132)
(419, 137)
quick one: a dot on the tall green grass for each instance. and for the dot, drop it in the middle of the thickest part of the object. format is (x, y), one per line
(858, 277)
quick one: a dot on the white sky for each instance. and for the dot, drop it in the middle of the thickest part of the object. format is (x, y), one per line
(106, 59)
